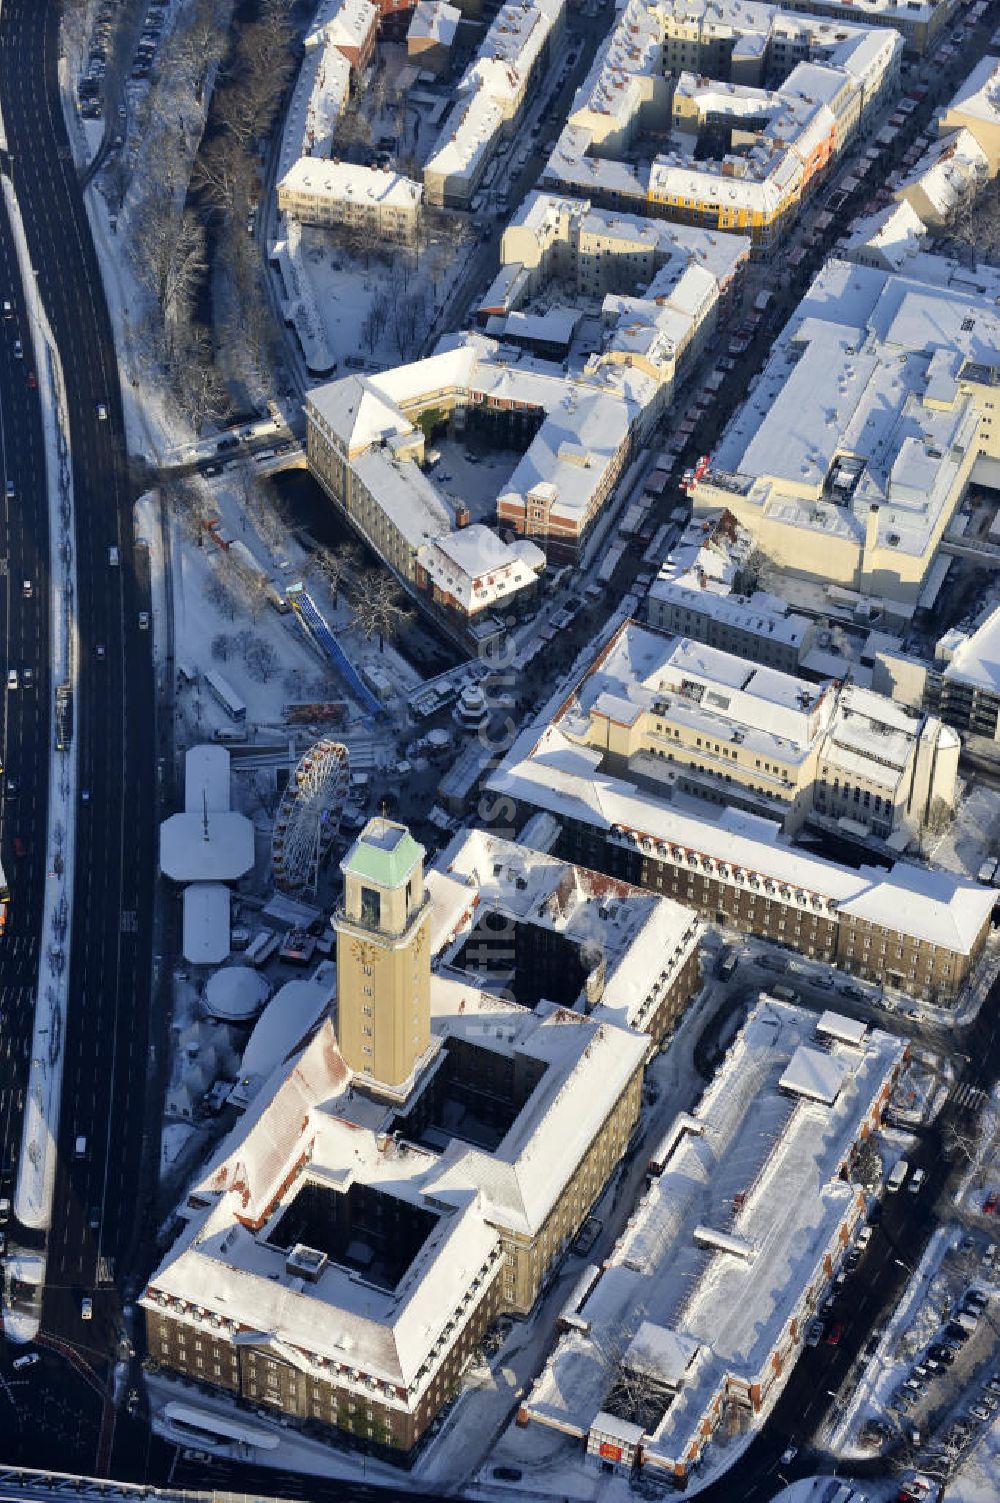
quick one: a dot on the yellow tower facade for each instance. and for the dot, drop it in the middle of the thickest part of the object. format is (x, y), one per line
(383, 956)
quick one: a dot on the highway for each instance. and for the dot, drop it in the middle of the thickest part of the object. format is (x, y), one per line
(96, 1221)
(25, 731)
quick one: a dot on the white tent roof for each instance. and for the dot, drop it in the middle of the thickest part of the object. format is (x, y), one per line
(236, 993)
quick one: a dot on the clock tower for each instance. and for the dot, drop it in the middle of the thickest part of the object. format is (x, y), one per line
(383, 956)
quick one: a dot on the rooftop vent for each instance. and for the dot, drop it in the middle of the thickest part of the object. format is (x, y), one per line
(305, 1262)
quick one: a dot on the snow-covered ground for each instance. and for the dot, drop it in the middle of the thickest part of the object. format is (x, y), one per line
(978, 1479)
(972, 835)
(376, 313)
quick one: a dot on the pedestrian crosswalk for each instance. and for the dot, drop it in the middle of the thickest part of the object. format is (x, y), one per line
(970, 1098)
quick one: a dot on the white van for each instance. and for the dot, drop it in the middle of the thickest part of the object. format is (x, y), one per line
(898, 1175)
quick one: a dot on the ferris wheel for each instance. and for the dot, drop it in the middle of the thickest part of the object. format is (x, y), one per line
(308, 816)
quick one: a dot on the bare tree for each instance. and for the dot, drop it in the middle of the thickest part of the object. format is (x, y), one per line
(222, 173)
(220, 646)
(377, 606)
(336, 567)
(261, 660)
(220, 597)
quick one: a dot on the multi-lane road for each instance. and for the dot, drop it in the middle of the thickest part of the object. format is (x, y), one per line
(98, 1217)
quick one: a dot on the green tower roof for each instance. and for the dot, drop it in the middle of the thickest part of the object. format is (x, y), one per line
(384, 853)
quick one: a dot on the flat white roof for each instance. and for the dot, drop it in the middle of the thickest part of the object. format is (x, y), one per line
(205, 923)
(206, 779)
(218, 847)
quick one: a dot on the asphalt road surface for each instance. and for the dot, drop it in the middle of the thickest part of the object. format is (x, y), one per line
(97, 1220)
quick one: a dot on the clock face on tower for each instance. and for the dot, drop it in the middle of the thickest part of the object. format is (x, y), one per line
(363, 953)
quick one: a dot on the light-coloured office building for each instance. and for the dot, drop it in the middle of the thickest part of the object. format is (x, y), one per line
(624, 808)
(854, 448)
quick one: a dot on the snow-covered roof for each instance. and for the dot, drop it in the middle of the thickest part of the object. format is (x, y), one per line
(434, 21)
(949, 173)
(205, 923)
(347, 183)
(647, 672)
(236, 992)
(545, 769)
(312, 1123)
(974, 657)
(836, 1026)
(814, 1074)
(978, 96)
(889, 238)
(217, 847)
(720, 1251)
(799, 118)
(640, 939)
(206, 779)
(477, 568)
(291, 1014)
(866, 369)
(491, 87)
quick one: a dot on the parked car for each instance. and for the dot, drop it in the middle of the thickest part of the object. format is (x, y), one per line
(814, 1335)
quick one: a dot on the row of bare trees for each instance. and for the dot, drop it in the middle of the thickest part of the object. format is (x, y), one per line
(377, 604)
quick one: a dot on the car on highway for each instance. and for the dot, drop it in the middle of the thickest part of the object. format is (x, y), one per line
(102, 413)
(789, 1454)
(85, 796)
(28, 677)
(144, 621)
(835, 1332)
(101, 652)
(86, 1308)
(10, 490)
(18, 350)
(32, 382)
(113, 558)
(8, 311)
(20, 850)
(94, 1218)
(919, 1175)
(12, 678)
(28, 1360)
(10, 788)
(27, 589)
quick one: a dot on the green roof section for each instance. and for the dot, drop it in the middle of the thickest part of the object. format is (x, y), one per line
(384, 853)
